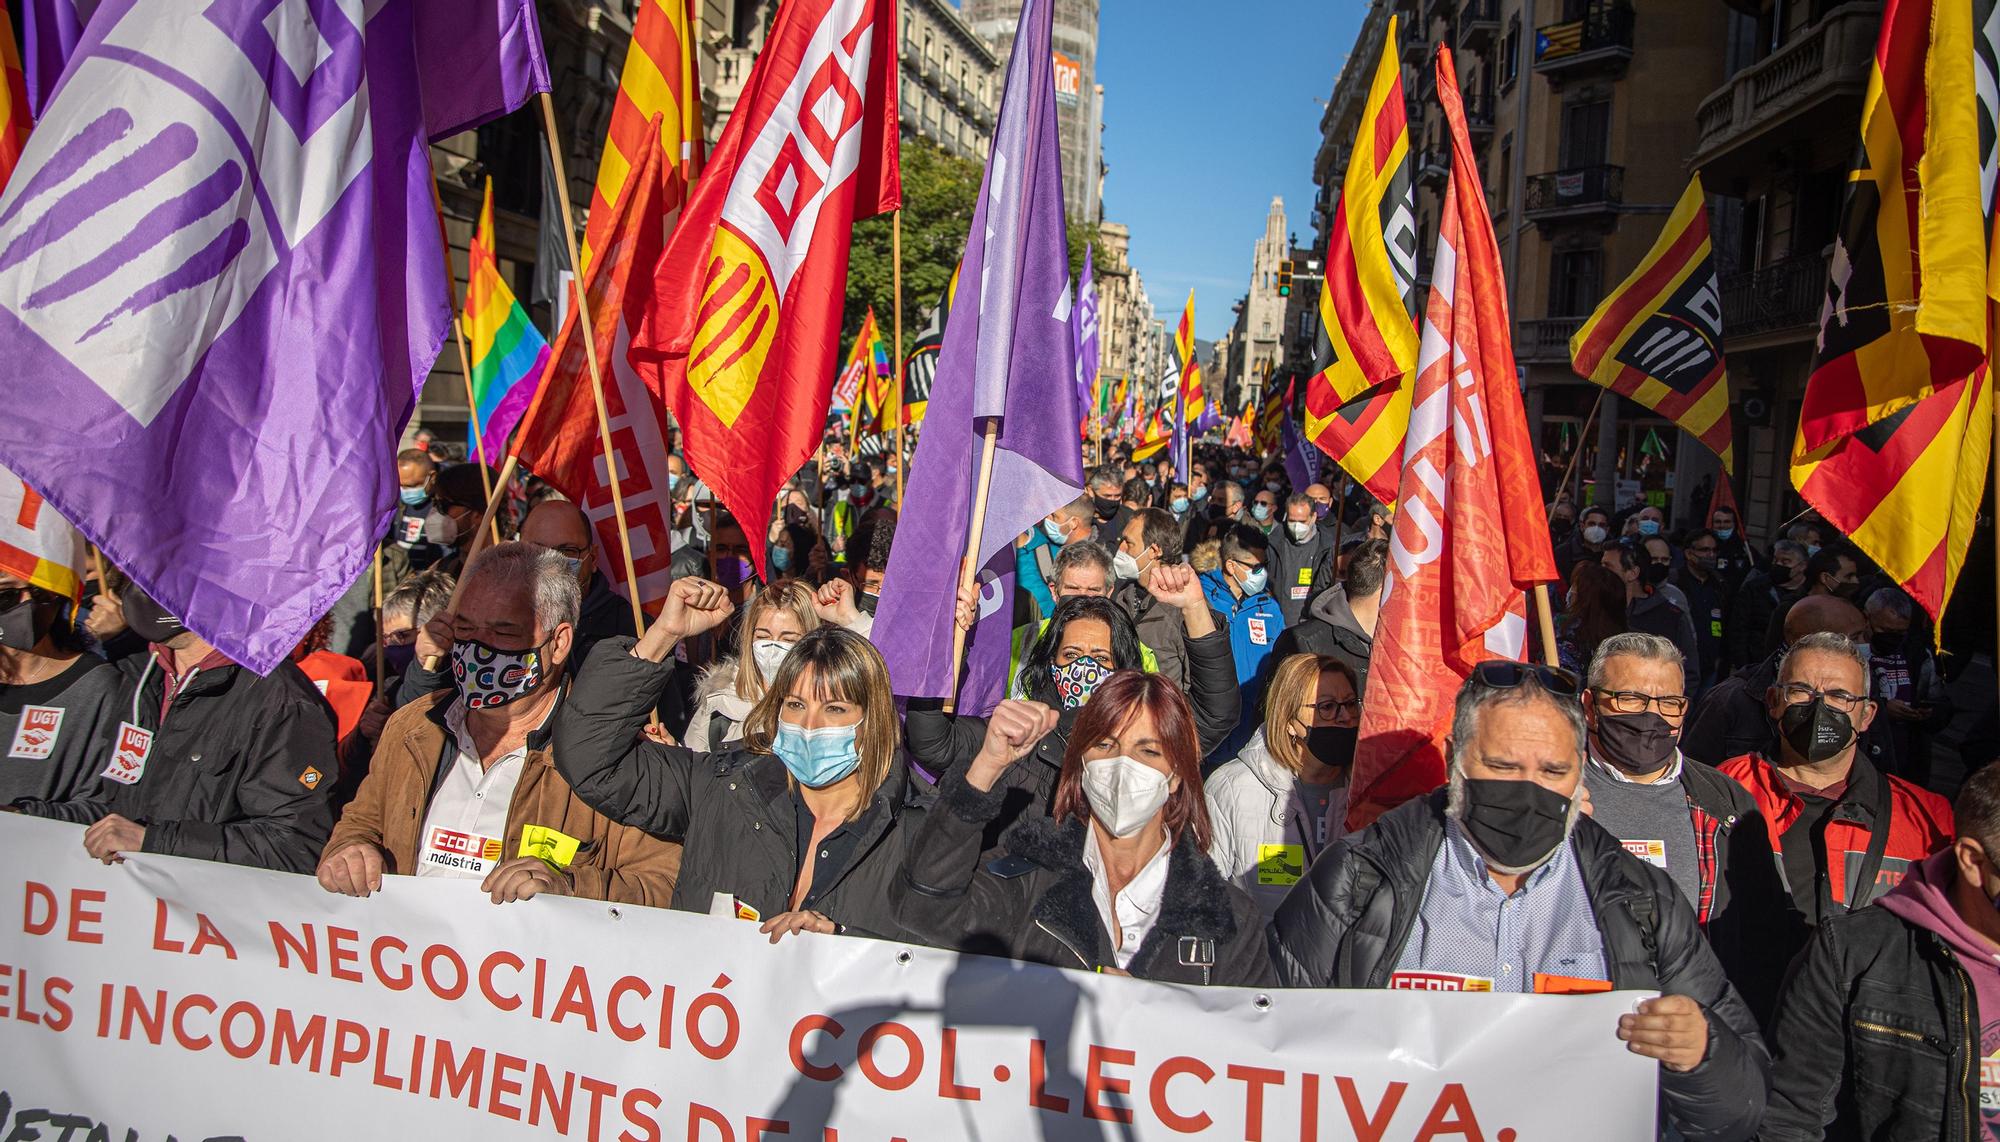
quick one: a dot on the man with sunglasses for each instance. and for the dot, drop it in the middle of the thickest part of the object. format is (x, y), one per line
(1498, 882)
(1841, 831)
(1676, 813)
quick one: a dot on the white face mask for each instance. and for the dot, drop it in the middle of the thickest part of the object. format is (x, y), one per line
(1124, 566)
(1300, 532)
(768, 654)
(1124, 793)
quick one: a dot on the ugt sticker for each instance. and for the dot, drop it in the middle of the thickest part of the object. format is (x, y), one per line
(128, 756)
(35, 737)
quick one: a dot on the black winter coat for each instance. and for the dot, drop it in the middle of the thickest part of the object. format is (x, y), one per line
(1036, 903)
(1346, 923)
(733, 810)
(945, 743)
(1751, 920)
(1731, 719)
(1878, 1038)
(241, 771)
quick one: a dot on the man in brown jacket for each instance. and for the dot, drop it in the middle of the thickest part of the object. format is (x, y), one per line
(463, 784)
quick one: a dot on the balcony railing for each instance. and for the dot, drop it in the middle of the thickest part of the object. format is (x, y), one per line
(1783, 295)
(1545, 340)
(1479, 113)
(1576, 192)
(1601, 39)
(1478, 24)
(1829, 59)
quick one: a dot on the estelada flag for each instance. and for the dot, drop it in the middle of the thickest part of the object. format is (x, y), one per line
(1895, 429)
(1657, 338)
(559, 439)
(1365, 437)
(740, 333)
(37, 545)
(1368, 300)
(1471, 535)
(1905, 309)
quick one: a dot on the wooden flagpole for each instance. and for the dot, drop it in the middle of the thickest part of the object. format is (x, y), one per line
(465, 367)
(380, 655)
(588, 328)
(1582, 435)
(968, 571)
(1547, 619)
(902, 393)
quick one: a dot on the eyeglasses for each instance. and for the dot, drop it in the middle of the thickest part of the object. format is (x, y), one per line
(1333, 707)
(1800, 693)
(1635, 702)
(1506, 674)
(571, 550)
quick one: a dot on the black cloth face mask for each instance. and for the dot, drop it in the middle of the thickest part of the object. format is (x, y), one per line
(1332, 745)
(1516, 825)
(1815, 730)
(148, 619)
(24, 626)
(1636, 743)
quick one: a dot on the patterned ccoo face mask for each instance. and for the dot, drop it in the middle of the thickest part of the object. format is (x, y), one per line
(490, 677)
(1077, 681)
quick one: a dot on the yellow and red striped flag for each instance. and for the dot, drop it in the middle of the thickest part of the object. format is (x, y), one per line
(1658, 337)
(1365, 437)
(658, 80)
(1368, 300)
(14, 123)
(1896, 426)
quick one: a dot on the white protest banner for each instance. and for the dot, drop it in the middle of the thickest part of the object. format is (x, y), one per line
(174, 997)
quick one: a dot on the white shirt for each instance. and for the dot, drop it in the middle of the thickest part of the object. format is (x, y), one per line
(1131, 916)
(467, 824)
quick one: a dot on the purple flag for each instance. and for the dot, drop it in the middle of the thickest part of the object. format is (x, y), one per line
(1084, 323)
(220, 263)
(1008, 355)
(50, 30)
(1301, 457)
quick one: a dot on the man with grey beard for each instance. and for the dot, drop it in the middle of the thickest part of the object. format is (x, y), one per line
(1497, 882)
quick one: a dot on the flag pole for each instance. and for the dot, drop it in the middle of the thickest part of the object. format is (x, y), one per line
(968, 571)
(1547, 619)
(1582, 434)
(465, 364)
(588, 328)
(380, 655)
(902, 393)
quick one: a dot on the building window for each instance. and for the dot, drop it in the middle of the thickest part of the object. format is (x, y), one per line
(1586, 133)
(1510, 53)
(1503, 180)
(1574, 282)
(928, 45)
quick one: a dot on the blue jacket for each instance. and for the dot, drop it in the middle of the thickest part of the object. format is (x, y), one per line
(1028, 571)
(1254, 624)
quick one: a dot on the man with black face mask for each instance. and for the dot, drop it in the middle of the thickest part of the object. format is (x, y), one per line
(464, 785)
(1841, 831)
(1676, 813)
(59, 708)
(1499, 883)
(209, 760)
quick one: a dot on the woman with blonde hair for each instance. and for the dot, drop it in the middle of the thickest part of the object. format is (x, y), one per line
(773, 621)
(803, 824)
(1282, 800)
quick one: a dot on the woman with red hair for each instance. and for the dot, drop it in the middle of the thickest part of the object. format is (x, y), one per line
(1116, 879)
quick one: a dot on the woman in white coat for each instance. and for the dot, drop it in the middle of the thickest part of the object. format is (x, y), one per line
(1281, 801)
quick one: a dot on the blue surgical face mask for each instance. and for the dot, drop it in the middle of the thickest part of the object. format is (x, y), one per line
(412, 497)
(1200, 492)
(673, 481)
(1054, 531)
(1181, 505)
(781, 559)
(1260, 512)
(1725, 533)
(1255, 581)
(1649, 527)
(817, 758)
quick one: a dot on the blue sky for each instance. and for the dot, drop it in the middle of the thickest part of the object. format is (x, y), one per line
(1209, 111)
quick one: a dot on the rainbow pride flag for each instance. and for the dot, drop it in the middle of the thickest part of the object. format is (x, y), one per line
(508, 352)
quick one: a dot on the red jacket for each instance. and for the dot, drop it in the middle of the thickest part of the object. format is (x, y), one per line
(1919, 822)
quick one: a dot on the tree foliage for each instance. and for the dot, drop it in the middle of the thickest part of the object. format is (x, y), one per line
(940, 191)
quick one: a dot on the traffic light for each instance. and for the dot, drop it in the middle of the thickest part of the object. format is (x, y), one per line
(1285, 278)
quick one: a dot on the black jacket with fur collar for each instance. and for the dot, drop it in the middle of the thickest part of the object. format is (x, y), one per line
(1035, 903)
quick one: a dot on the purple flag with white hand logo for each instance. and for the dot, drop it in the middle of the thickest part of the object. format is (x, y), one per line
(1301, 457)
(1084, 322)
(222, 285)
(1009, 357)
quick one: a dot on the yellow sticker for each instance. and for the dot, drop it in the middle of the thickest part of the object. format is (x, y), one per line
(1305, 576)
(549, 846)
(1280, 864)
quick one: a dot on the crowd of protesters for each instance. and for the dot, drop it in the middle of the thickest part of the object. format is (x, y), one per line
(1723, 793)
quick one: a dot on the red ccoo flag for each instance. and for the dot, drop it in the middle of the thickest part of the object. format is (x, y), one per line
(1471, 534)
(740, 336)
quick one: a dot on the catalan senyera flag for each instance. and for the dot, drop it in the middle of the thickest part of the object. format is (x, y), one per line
(37, 545)
(1471, 536)
(1157, 434)
(508, 352)
(653, 102)
(1365, 437)
(1268, 433)
(1657, 338)
(1200, 411)
(739, 333)
(1368, 299)
(1895, 430)
(14, 116)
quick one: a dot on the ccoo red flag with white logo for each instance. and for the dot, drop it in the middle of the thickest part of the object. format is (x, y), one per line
(1471, 535)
